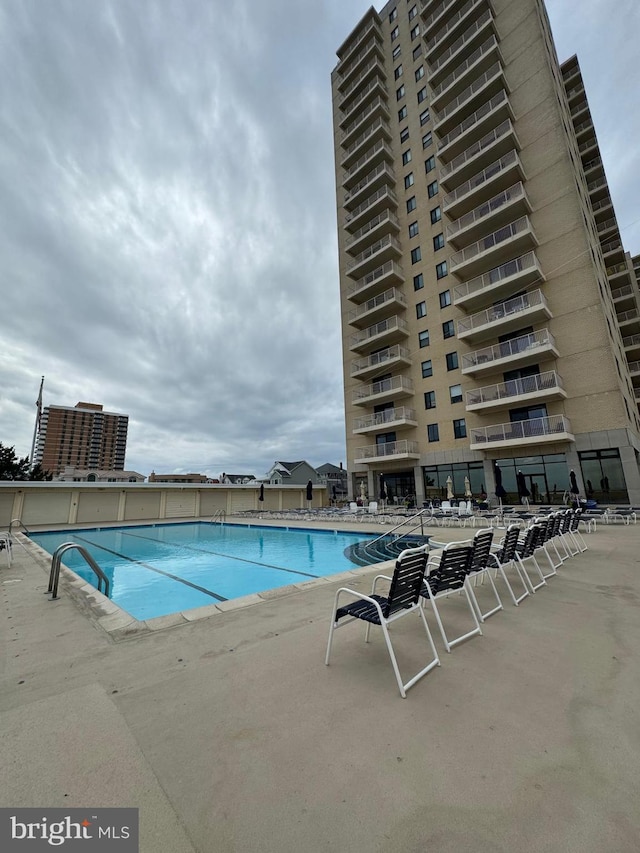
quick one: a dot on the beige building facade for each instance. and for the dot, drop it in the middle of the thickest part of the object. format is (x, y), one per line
(483, 332)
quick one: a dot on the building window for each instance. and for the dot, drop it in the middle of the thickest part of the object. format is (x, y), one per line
(403, 113)
(421, 310)
(445, 298)
(415, 32)
(413, 229)
(432, 189)
(419, 72)
(413, 11)
(417, 51)
(438, 242)
(400, 93)
(423, 338)
(452, 360)
(393, 14)
(422, 95)
(441, 270)
(427, 369)
(396, 52)
(455, 393)
(406, 157)
(411, 204)
(427, 139)
(416, 255)
(408, 180)
(424, 117)
(398, 71)
(460, 428)
(430, 164)
(404, 135)
(433, 433)
(418, 281)
(395, 32)
(436, 215)
(429, 399)
(448, 329)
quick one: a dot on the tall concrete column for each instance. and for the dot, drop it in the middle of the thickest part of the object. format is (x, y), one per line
(419, 480)
(631, 474)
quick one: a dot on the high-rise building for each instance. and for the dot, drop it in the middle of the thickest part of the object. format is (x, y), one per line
(82, 437)
(481, 267)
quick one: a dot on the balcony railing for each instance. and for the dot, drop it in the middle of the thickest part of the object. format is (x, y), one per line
(525, 264)
(616, 269)
(553, 427)
(634, 367)
(382, 419)
(362, 97)
(480, 213)
(378, 124)
(631, 341)
(380, 359)
(388, 450)
(452, 23)
(378, 104)
(370, 201)
(372, 225)
(507, 162)
(478, 84)
(592, 186)
(375, 63)
(606, 225)
(503, 130)
(531, 343)
(502, 310)
(491, 241)
(369, 178)
(625, 316)
(372, 26)
(537, 384)
(390, 270)
(474, 119)
(392, 385)
(611, 246)
(584, 125)
(388, 241)
(439, 9)
(620, 292)
(459, 44)
(391, 297)
(485, 48)
(390, 325)
(592, 164)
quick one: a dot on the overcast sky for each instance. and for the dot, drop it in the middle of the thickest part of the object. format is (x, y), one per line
(167, 215)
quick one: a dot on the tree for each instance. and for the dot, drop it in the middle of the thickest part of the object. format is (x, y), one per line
(12, 468)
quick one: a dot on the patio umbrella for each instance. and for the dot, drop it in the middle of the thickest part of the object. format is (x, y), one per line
(500, 490)
(574, 483)
(467, 488)
(309, 491)
(383, 489)
(523, 491)
(261, 495)
(450, 492)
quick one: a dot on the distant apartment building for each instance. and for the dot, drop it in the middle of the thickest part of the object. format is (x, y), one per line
(489, 311)
(83, 436)
(178, 478)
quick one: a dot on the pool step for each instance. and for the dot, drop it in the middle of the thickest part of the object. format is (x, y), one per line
(369, 552)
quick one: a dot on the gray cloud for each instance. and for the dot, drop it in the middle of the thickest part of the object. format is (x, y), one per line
(167, 217)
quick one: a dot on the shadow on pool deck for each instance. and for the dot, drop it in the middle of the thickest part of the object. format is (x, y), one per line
(230, 734)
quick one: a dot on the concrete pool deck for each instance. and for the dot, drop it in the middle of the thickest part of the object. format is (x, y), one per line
(231, 735)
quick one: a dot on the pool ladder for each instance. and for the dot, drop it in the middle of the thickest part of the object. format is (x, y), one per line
(56, 561)
(219, 515)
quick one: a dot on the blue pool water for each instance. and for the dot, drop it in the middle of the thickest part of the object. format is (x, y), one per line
(160, 569)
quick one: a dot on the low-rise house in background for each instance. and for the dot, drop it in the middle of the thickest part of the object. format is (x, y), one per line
(178, 478)
(95, 475)
(291, 474)
(335, 480)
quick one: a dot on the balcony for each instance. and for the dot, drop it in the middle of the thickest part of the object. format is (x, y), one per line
(482, 88)
(376, 86)
(378, 307)
(524, 310)
(473, 66)
(493, 249)
(374, 66)
(597, 188)
(623, 294)
(377, 107)
(389, 331)
(374, 160)
(380, 225)
(349, 69)
(604, 204)
(461, 48)
(375, 203)
(575, 93)
(617, 273)
(371, 29)
(553, 429)
(375, 281)
(590, 165)
(496, 110)
(400, 417)
(542, 387)
(612, 248)
(455, 30)
(634, 369)
(502, 208)
(434, 12)
(376, 130)
(528, 349)
(584, 127)
(379, 362)
(392, 451)
(628, 319)
(631, 343)
(579, 111)
(394, 387)
(495, 177)
(494, 145)
(385, 249)
(606, 226)
(500, 282)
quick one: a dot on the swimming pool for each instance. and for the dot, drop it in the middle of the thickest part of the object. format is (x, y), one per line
(154, 570)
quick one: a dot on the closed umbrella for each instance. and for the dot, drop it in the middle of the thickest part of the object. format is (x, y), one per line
(467, 488)
(383, 489)
(450, 492)
(523, 492)
(309, 491)
(500, 490)
(261, 495)
(574, 483)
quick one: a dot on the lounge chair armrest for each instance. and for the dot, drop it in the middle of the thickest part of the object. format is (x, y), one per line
(378, 578)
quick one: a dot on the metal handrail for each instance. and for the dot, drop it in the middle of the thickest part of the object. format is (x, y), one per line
(219, 515)
(17, 521)
(412, 518)
(56, 561)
